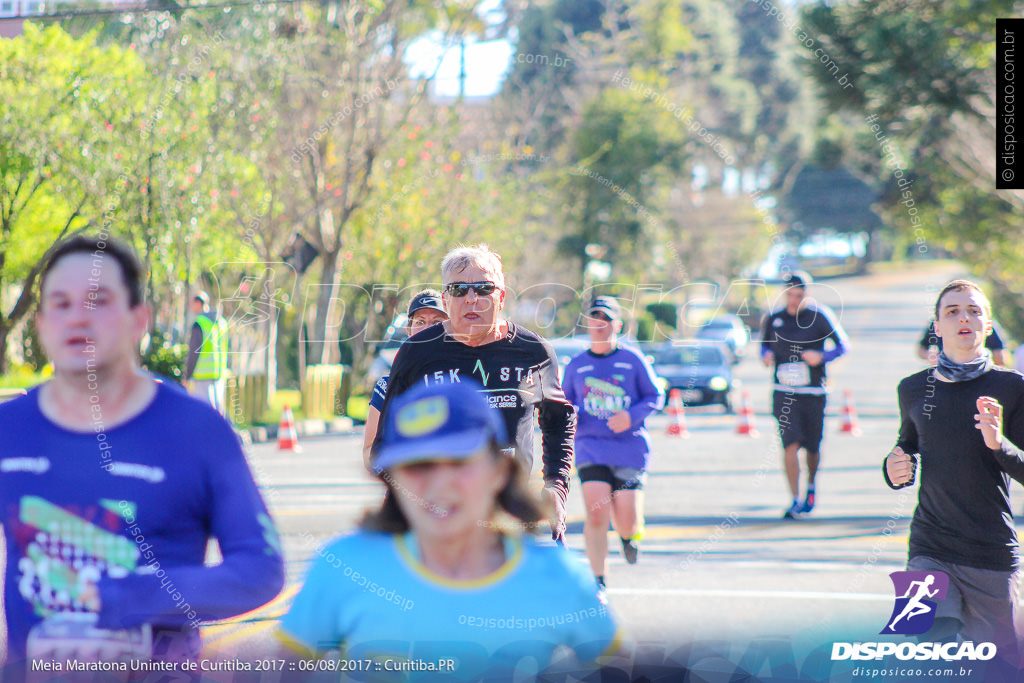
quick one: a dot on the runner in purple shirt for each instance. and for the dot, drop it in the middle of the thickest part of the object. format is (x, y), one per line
(614, 390)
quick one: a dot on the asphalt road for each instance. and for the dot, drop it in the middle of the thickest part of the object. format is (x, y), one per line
(721, 576)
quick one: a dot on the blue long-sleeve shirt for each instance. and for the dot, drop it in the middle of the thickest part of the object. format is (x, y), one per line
(599, 386)
(132, 508)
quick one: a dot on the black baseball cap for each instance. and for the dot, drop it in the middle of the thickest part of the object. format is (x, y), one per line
(798, 278)
(607, 305)
(426, 301)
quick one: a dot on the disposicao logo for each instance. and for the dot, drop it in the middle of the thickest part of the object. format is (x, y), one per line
(913, 613)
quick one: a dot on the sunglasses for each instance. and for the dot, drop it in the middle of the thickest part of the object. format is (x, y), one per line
(461, 289)
(598, 315)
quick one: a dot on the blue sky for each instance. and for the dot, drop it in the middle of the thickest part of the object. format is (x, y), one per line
(487, 62)
(486, 65)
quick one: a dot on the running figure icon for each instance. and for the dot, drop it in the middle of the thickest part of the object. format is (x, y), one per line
(917, 597)
(915, 607)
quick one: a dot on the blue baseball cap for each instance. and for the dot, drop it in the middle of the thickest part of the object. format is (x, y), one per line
(438, 422)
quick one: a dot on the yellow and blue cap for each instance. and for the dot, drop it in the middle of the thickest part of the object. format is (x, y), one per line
(438, 422)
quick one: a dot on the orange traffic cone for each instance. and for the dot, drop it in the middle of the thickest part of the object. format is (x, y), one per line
(677, 425)
(746, 423)
(287, 438)
(850, 423)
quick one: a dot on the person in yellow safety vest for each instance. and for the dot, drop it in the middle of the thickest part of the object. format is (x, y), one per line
(206, 364)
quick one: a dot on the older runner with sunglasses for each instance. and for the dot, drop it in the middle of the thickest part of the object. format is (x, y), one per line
(517, 368)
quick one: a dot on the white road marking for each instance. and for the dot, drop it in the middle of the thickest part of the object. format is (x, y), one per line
(733, 593)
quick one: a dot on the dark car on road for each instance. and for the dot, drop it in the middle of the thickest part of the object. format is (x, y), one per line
(728, 329)
(700, 369)
(567, 348)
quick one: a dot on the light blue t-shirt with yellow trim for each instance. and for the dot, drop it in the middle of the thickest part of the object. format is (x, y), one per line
(369, 595)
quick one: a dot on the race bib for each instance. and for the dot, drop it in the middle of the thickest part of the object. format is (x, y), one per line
(794, 374)
(74, 635)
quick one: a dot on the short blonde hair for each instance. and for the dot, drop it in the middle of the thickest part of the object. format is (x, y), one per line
(479, 255)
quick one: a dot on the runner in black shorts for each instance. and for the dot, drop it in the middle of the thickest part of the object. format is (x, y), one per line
(619, 478)
(801, 419)
(614, 390)
(793, 345)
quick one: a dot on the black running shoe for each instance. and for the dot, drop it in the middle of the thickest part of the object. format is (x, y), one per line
(630, 550)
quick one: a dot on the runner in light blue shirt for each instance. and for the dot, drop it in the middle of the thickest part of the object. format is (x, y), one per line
(441, 582)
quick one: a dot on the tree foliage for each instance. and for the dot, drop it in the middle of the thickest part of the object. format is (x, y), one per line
(67, 107)
(924, 74)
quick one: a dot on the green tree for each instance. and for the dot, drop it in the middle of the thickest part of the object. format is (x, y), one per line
(924, 74)
(624, 150)
(59, 132)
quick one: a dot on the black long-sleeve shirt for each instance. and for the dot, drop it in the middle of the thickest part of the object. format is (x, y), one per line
(520, 376)
(787, 336)
(963, 504)
(195, 345)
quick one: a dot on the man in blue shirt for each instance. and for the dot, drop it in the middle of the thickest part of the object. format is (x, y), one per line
(114, 483)
(614, 390)
(793, 345)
